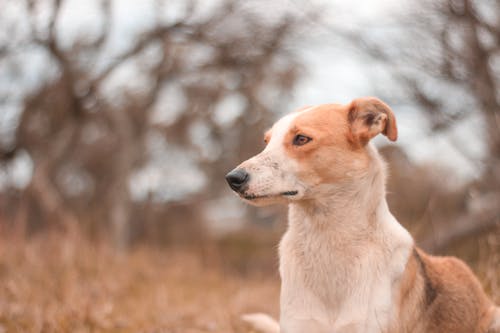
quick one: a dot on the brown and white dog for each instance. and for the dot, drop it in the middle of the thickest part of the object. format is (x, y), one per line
(346, 264)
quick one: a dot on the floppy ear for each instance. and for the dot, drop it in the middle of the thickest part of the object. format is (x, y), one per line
(369, 116)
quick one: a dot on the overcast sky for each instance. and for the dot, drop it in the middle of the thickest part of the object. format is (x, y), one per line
(334, 70)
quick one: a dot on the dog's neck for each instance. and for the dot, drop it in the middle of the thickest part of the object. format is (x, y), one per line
(344, 236)
(350, 210)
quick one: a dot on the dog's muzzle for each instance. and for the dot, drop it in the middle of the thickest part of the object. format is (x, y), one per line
(237, 179)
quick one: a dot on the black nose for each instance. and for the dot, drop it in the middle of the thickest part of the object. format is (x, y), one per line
(237, 179)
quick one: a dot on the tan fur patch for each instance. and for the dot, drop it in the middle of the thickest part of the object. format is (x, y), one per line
(329, 156)
(441, 294)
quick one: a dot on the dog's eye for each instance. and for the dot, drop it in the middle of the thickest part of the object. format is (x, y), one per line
(300, 140)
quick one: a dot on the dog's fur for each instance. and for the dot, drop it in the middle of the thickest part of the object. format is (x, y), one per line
(346, 264)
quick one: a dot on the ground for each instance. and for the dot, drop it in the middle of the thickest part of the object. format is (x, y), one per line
(57, 283)
(52, 284)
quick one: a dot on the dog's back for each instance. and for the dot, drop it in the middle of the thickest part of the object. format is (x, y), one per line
(441, 294)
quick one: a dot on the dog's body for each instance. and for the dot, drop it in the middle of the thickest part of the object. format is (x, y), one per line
(346, 264)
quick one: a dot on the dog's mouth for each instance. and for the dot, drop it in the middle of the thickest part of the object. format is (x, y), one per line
(264, 196)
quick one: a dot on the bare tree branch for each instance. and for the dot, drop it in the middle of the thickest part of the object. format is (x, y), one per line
(442, 236)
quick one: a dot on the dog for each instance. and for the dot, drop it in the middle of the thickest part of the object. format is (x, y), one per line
(346, 264)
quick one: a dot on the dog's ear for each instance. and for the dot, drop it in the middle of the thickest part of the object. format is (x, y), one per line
(369, 116)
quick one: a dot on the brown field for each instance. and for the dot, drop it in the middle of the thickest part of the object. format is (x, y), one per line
(53, 283)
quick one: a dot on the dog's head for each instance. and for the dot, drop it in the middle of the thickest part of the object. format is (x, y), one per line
(311, 149)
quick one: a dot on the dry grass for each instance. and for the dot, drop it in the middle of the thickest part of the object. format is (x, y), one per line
(53, 284)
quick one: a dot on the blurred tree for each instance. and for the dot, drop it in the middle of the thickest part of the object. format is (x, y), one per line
(446, 54)
(199, 84)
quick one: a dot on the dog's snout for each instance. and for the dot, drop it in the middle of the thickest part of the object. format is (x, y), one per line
(237, 179)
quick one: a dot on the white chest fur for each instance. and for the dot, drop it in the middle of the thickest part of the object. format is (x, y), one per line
(341, 276)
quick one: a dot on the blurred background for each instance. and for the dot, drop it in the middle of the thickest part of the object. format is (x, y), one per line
(119, 120)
